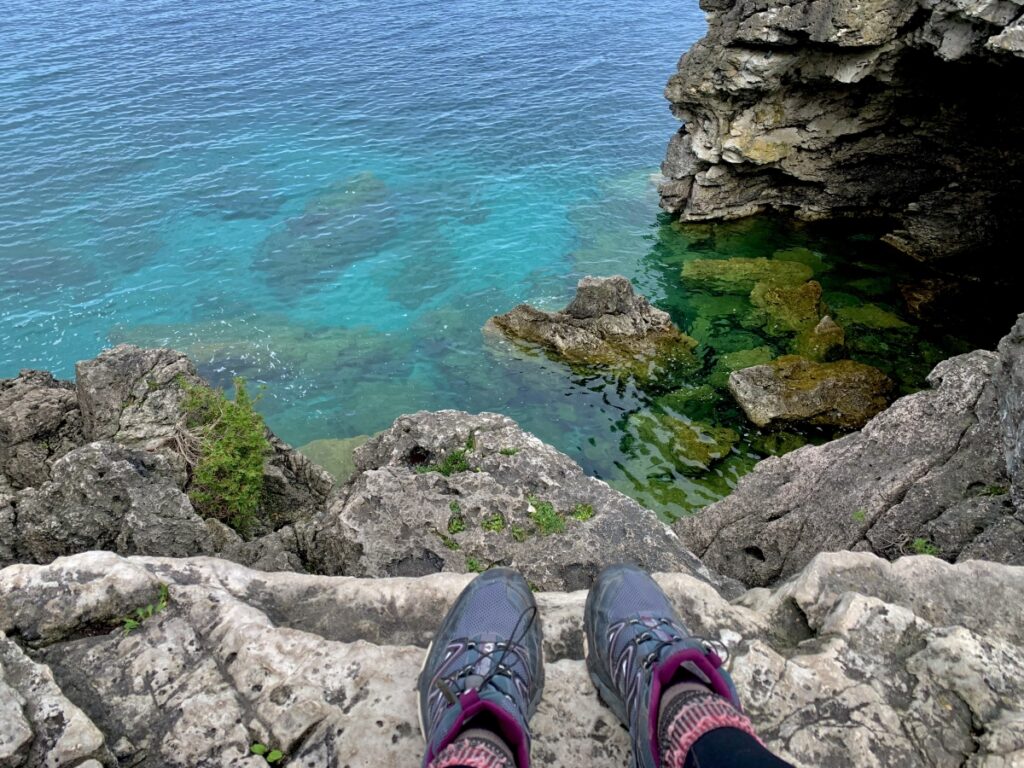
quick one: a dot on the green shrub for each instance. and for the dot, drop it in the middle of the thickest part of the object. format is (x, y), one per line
(924, 547)
(134, 620)
(544, 515)
(227, 478)
(456, 524)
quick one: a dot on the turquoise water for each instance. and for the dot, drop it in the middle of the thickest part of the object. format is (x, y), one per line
(331, 198)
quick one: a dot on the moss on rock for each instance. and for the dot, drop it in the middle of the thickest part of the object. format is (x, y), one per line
(740, 275)
(783, 309)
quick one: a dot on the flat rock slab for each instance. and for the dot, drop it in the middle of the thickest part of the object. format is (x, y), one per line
(856, 662)
(795, 390)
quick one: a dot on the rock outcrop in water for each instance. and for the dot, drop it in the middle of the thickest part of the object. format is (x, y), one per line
(939, 471)
(606, 324)
(905, 110)
(855, 662)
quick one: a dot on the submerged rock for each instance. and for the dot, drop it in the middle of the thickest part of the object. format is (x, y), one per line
(336, 456)
(929, 473)
(689, 446)
(794, 390)
(871, 316)
(457, 492)
(323, 668)
(825, 342)
(785, 309)
(606, 324)
(740, 275)
(735, 361)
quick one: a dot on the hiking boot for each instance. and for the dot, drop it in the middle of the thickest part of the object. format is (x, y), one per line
(484, 665)
(636, 648)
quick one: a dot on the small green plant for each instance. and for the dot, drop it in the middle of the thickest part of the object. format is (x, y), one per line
(455, 507)
(134, 620)
(456, 524)
(544, 515)
(518, 533)
(449, 542)
(270, 755)
(859, 515)
(583, 511)
(227, 475)
(471, 442)
(924, 547)
(995, 490)
(508, 451)
(473, 565)
(494, 523)
(449, 465)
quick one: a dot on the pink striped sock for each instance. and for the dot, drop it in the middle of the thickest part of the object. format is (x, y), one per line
(472, 753)
(689, 717)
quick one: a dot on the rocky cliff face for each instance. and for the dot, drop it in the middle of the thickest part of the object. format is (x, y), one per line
(855, 662)
(906, 110)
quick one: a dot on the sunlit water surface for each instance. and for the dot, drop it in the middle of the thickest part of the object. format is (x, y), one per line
(332, 197)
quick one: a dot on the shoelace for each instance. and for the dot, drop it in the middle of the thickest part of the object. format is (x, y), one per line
(447, 683)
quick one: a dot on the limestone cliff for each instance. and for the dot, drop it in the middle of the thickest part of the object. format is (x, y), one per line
(906, 110)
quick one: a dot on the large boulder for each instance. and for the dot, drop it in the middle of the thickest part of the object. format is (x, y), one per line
(795, 390)
(39, 422)
(1009, 384)
(929, 473)
(450, 491)
(855, 662)
(606, 324)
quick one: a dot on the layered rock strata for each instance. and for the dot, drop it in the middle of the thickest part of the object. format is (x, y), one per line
(938, 471)
(855, 662)
(905, 110)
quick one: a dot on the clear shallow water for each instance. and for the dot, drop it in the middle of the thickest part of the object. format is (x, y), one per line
(331, 198)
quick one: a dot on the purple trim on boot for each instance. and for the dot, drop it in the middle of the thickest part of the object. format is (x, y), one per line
(508, 728)
(707, 662)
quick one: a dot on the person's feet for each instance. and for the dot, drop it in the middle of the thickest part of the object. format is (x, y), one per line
(638, 650)
(483, 673)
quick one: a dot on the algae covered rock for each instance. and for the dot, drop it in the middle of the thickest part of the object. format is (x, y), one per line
(871, 316)
(734, 361)
(335, 456)
(605, 325)
(794, 390)
(786, 308)
(740, 275)
(823, 343)
(689, 446)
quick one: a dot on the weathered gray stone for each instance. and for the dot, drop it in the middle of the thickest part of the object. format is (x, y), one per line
(606, 324)
(795, 390)
(397, 518)
(929, 467)
(39, 422)
(836, 108)
(855, 662)
(1009, 384)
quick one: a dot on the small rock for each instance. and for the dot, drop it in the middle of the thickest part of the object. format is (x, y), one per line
(740, 275)
(606, 325)
(784, 308)
(689, 446)
(794, 390)
(825, 342)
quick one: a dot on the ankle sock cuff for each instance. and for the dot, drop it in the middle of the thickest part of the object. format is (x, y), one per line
(472, 753)
(691, 715)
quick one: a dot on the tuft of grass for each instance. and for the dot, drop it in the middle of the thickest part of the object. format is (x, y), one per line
(227, 477)
(995, 490)
(135, 619)
(494, 523)
(859, 515)
(518, 533)
(508, 451)
(582, 511)
(473, 565)
(456, 524)
(922, 546)
(449, 542)
(455, 507)
(544, 515)
(269, 754)
(452, 463)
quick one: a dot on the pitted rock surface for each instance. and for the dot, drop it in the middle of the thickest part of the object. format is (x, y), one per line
(857, 661)
(400, 516)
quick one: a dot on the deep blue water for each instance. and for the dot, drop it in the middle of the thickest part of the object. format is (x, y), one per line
(332, 197)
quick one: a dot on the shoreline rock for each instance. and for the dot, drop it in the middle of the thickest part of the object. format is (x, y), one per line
(606, 324)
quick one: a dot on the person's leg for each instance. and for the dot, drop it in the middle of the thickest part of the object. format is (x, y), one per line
(482, 677)
(666, 686)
